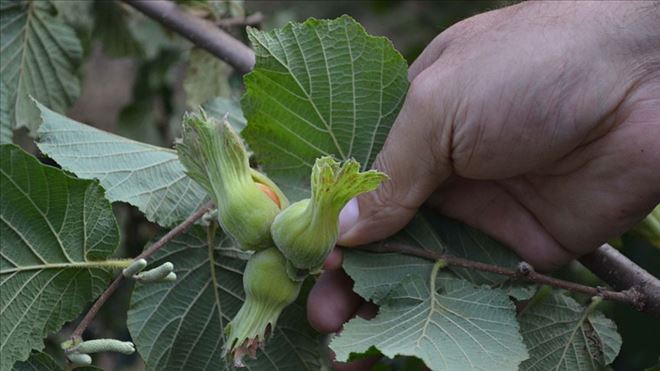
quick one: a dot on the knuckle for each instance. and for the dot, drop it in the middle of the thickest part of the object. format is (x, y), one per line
(384, 202)
(386, 193)
(422, 90)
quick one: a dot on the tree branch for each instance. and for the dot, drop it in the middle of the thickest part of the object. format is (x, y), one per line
(630, 295)
(611, 266)
(254, 19)
(623, 274)
(179, 229)
(201, 32)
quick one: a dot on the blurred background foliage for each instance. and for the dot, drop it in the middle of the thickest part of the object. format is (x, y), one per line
(139, 78)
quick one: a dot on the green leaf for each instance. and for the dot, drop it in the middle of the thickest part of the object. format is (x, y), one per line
(563, 335)
(148, 177)
(384, 271)
(379, 277)
(466, 242)
(181, 325)
(450, 324)
(319, 88)
(56, 232)
(78, 14)
(206, 78)
(218, 107)
(39, 361)
(376, 274)
(6, 130)
(39, 54)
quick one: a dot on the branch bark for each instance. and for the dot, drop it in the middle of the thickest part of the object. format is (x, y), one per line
(200, 32)
(607, 263)
(91, 313)
(254, 19)
(623, 274)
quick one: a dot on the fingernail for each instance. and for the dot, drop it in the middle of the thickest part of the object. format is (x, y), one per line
(348, 216)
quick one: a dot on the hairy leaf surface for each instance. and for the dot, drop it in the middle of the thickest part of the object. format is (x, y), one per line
(39, 54)
(322, 87)
(180, 326)
(379, 277)
(450, 325)
(6, 128)
(376, 274)
(466, 242)
(56, 232)
(39, 361)
(146, 176)
(561, 335)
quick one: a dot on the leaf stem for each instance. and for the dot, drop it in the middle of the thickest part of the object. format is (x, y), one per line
(630, 296)
(434, 272)
(595, 300)
(179, 229)
(541, 294)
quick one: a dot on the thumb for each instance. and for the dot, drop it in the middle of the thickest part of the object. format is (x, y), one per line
(415, 157)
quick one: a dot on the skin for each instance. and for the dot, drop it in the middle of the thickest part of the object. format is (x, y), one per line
(537, 123)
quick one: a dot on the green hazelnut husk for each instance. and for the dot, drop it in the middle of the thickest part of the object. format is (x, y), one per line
(215, 157)
(307, 230)
(268, 290)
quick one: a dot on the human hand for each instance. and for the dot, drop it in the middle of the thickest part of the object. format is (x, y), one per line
(538, 124)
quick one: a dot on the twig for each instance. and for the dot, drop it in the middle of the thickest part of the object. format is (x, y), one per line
(630, 296)
(176, 231)
(201, 32)
(91, 313)
(254, 19)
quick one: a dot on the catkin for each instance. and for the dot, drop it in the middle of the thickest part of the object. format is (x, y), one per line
(136, 267)
(80, 359)
(171, 277)
(157, 273)
(105, 345)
